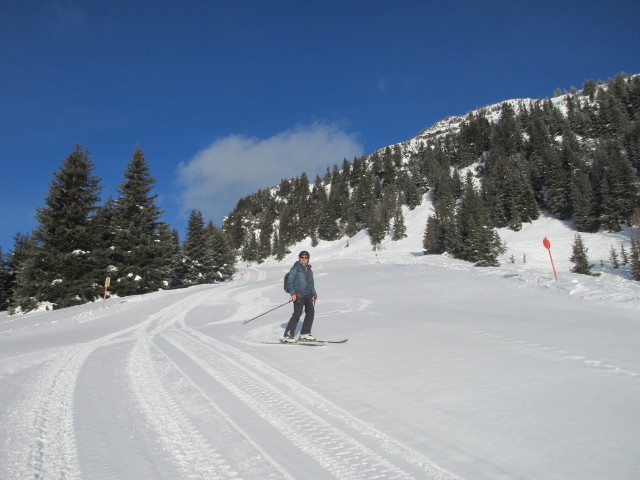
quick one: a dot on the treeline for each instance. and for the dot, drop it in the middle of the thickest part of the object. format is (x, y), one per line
(576, 156)
(78, 243)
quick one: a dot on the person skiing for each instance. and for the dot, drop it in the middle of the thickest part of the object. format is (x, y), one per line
(303, 295)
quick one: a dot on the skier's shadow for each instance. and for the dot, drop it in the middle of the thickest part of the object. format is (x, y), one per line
(298, 327)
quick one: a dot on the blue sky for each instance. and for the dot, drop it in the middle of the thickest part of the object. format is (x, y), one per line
(226, 97)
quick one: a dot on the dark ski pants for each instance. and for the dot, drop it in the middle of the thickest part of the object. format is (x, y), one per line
(300, 304)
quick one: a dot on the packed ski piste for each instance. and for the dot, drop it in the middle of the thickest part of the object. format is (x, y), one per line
(450, 371)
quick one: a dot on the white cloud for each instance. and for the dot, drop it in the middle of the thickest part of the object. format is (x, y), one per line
(232, 167)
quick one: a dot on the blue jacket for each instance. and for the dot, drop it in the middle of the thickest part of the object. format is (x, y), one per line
(300, 281)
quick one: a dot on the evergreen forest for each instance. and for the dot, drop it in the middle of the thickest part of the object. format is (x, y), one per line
(575, 156)
(80, 246)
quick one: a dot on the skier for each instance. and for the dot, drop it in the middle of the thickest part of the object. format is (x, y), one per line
(303, 295)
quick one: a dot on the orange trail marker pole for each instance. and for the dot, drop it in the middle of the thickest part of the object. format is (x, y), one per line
(547, 245)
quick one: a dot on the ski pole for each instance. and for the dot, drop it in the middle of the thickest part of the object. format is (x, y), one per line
(251, 319)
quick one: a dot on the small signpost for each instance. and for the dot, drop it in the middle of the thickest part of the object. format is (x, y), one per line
(107, 282)
(547, 245)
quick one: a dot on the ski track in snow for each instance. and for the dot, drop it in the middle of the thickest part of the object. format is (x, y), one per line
(179, 378)
(190, 451)
(44, 422)
(339, 443)
(601, 364)
(325, 432)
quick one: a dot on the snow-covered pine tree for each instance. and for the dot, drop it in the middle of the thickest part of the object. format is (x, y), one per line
(634, 259)
(480, 243)
(178, 269)
(448, 231)
(378, 225)
(141, 240)
(430, 237)
(399, 227)
(221, 254)
(579, 258)
(613, 258)
(474, 139)
(506, 135)
(166, 247)
(267, 229)
(5, 295)
(584, 208)
(338, 201)
(616, 192)
(60, 268)
(330, 214)
(19, 262)
(624, 256)
(195, 249)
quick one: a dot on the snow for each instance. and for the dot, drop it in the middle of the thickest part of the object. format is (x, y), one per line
(450, 372)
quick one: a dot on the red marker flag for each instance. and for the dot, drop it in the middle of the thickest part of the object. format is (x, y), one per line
(547, 245)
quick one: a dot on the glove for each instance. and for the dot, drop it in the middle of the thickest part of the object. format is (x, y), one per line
(294, 297)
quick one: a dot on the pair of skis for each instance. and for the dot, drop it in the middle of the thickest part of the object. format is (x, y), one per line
(314, 343)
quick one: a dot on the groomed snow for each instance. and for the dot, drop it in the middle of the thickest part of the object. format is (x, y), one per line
(450, 372)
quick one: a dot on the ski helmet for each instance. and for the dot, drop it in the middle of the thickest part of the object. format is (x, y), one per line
(304, 253)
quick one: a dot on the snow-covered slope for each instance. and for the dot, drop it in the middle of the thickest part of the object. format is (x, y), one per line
(450, 371)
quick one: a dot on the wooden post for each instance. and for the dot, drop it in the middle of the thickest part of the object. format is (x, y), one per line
(107, 282)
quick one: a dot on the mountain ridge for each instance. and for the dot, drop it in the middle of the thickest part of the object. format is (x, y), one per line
(552, 155)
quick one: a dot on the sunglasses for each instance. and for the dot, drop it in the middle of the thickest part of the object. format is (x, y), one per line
(305, 257)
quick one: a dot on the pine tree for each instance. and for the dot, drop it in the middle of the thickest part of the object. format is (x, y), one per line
(250, 248)
(279, 247)
(302, 222)
(328, 219)
(195, 249)
(104, 231)
(508, 193)
(221, 255)
(399, 227)
(634, 258)
(20, 268)
(474, 139)
(409, 188)
(378, 225)
(579, 258)
(584, 208)
(363, 201)
(613, 258)
(178, 268)
(233, 227)
(612, 119)
(266, 230)
(616, 191)
(339, 197)
(589, 89)
(623, 255)
(167, 247)
(506, 136)
(60, 269)
(448, 233)
(480, 243)
(285, 234)
(5, 295)
(141, 240)
(430, 237)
